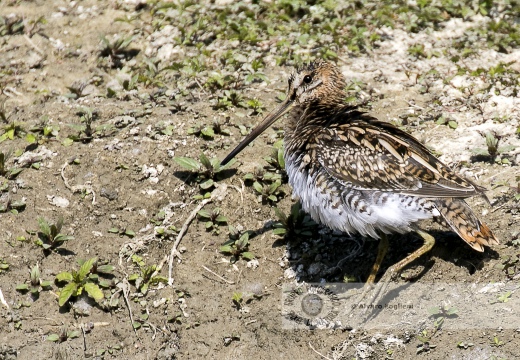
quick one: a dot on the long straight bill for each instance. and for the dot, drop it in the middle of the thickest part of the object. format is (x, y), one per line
(268, 121)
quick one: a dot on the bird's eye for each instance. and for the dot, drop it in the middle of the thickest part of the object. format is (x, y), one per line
(307, 79)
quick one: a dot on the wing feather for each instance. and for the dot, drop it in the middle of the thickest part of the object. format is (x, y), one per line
(372, 155)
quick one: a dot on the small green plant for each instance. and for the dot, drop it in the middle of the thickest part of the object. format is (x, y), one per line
(13, 206)
(147, 275)
(122, 232)
(203, 131)
(464, 345)
(493, 148)
(505, 297)
(447, 121)
(269, 192)
(443, 311)
(207, 170)
(237, 299)
(297, 223)
(496, 342)
(255, 105)
(262, 176)
(255, 76)
(50, 236)
(111, 350)
(64, 335)
(492, 141)
(276, 160)
(116, 50)
(36, 284)
(440, 314)
(164, 129)
(218, 81)
(4, 266)
(42, 132)
(12, 130)
(237, 245)
(230, 98)
(85, 278)
(11, 25)
(417, 51)
(208, 131)
(510, 265)
(425, 345)
(84, 131)
(213, 219)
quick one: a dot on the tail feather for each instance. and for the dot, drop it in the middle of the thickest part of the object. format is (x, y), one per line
(458, 216)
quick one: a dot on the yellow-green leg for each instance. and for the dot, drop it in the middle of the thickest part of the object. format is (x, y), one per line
(381, 252)
(382, 249)
(382, 285)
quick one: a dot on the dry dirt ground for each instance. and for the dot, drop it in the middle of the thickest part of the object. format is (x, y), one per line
(92, 131)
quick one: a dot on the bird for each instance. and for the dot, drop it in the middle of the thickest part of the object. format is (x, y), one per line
(357, 174)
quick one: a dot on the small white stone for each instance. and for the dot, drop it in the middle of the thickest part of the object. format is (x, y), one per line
(59, 201)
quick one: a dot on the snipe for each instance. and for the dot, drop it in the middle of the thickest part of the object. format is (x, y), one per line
(354, 173)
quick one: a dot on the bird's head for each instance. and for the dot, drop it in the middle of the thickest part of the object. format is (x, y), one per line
(319, 82)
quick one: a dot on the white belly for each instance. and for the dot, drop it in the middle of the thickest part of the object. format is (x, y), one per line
(364, 211)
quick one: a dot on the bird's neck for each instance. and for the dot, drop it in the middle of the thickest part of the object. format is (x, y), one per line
(306, 120)
(319, 113)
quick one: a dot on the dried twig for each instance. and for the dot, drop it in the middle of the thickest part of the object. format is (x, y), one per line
(320, 354)
(77, 188)
(2, 300)
(125, 286)
(220, 277)
(218, 192)
(28, 39)
(84, 339)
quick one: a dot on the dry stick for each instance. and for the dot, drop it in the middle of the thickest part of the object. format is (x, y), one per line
(2, 300)
(501, 206)
(219, 191)
(28, 39)
(84, 339)
(77, 188)
(220, 277)
(8, 90)
(320, 354)
(125, 296)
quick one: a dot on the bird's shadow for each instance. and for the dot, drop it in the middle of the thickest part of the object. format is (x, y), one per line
(344, 257)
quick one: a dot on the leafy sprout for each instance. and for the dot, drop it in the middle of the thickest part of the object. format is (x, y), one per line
(276, 160)
(36, 284)
(77, 281)
(208, 131)
(230, 98)
(116, 50)
(493, 148)
(269, 192)
(212, 219)
(4, 266)
(12, 130)
(237, 245)
(50, 236)
(64, 335)
(297, 223)
(147, 275)
(207, 170)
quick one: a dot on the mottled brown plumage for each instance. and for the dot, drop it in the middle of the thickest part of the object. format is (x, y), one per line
(357, 174)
